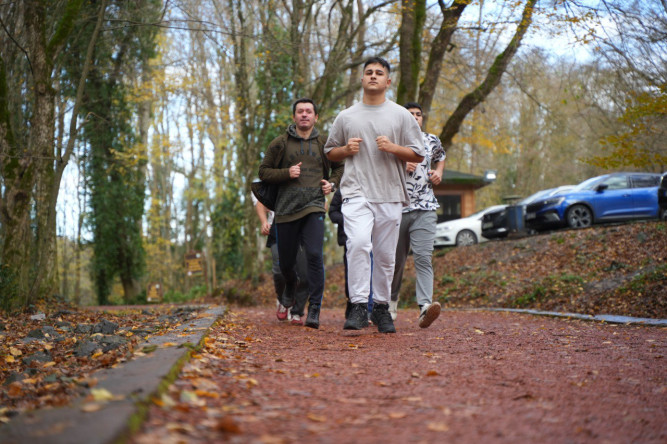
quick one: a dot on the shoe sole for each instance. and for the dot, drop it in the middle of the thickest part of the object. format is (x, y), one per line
(352, 327)
(432, 313)
(312, 325)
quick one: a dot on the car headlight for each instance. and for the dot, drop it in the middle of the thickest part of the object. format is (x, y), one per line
(553, 201)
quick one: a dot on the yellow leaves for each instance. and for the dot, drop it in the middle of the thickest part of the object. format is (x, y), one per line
(14, 351)
(101, 395)
(9, 359)
(312, 375)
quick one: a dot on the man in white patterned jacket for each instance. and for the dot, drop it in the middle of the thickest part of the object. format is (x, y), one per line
(418, 225)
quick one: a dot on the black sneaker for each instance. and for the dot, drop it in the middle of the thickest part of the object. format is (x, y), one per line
(382, 318)
(313, 319)
(348, 307)
(358, 317)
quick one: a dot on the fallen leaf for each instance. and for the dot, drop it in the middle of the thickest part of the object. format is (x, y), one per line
(397, 415)
(91, 407)
(316, 418)
(101, 394)
(15, 351)
(227, 424)
(149, 348)
(437, 427)
(432, 373)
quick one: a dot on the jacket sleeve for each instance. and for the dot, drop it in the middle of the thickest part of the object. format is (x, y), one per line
(337, 169)
(269, 170)
(335, 208)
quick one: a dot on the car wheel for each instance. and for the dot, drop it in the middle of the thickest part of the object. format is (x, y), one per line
(465, 237)
(579, 216)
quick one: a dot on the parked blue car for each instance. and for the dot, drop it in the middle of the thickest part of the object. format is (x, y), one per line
(612, 197)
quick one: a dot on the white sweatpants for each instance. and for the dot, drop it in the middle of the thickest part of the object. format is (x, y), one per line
(371, 227)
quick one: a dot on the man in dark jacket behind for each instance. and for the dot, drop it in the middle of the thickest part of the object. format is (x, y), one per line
(297, 163)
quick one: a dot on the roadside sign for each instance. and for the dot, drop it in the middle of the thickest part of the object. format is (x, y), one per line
(154, 292)
(194, 263)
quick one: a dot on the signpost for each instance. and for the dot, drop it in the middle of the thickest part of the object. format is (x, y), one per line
(195, 264)
(154, 292)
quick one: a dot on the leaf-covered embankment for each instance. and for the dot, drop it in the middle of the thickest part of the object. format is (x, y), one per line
(612, 269)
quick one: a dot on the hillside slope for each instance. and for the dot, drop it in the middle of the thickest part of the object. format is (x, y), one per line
(613, 269)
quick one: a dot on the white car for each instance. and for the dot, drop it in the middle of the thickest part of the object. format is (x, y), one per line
(464, 231)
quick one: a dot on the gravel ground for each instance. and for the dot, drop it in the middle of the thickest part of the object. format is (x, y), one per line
(471, 377)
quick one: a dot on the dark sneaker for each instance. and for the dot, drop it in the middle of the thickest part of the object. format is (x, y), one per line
(358, 317)
(313, 318)
(348, 307)
(382, 318)
(429, 314)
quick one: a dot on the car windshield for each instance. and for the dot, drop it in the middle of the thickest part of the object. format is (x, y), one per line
(589, 184)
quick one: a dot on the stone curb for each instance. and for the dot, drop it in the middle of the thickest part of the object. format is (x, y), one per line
(610, 319)
(133, 383)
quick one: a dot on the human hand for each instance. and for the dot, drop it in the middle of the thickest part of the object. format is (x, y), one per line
(266, 228)
(295, 171)
(384, 144)
(352, 146)
(411, 167)
(326, 186)
(436, 176)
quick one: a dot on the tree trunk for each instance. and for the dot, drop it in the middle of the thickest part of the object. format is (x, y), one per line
(439, 46)
(413, 17)
(474, 98)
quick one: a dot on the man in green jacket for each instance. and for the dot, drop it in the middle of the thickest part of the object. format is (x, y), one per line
(296, 162)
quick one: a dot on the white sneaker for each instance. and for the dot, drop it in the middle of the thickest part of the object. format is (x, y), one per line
(429, 314)
(393, 309)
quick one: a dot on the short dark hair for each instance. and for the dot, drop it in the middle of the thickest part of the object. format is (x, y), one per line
(380, 61)
(413, 105)
(304, 100)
